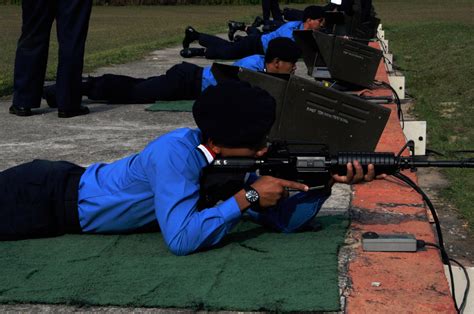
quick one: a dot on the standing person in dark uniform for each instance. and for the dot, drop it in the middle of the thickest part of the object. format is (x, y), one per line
(182, 81)
(218, 48)
(159, 188)
(72, 19)
(271, 6)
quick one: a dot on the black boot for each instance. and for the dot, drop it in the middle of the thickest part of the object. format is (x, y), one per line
(190, 35)
(80, 111)
(257, 22)
(192, 52)
(20, 111)
(234, 27)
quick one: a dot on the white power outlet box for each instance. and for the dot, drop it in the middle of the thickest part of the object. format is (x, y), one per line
(416, 131)
(381, 34)
(398, 84)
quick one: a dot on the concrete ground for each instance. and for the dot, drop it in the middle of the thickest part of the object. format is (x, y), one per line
(108, 133)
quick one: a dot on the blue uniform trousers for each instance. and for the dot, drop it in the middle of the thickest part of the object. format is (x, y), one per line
(218, 48)
(271, 6)
(182, 81)
(39, 199)
(72, 19)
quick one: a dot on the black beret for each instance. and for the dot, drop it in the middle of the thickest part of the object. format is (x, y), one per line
(284, 49)
(313, 12)
(234, 114)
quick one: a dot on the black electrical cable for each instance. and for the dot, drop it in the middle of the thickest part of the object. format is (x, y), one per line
(397, 101)
(397, 67)
(421, 244)
(433, 152)
(469, 151)
(384, 47)
(394, 66)
(444, 255)
(468, 285)
(409, 143)
(399, 106)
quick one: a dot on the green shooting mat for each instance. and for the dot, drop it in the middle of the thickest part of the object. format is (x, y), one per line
(176, 105)
(253, 269)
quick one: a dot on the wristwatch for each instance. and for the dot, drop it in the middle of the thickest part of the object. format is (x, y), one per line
(251, 195)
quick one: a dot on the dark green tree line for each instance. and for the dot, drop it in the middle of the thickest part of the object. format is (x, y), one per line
(173, 2)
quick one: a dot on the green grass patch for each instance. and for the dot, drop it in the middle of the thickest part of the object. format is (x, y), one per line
(251, 270)
(432, 41)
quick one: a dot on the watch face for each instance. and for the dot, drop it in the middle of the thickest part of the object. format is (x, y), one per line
(252, 196)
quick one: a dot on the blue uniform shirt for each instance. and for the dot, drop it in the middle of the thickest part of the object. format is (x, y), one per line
(161, 183)
(286, 30)
(255, 62)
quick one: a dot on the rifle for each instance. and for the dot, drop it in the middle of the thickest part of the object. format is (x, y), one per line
(313, 166)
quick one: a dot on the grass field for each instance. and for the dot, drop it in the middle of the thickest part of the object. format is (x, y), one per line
(432, 41)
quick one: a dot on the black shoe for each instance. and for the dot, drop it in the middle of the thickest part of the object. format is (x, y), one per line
(192, 52)
(82, 110)
(257, 22)
(230, 35)
(190, 35)
(234, 27)
(49, 94)
(20, 111)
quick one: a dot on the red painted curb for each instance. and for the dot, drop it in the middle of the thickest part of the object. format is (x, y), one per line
(392, 282)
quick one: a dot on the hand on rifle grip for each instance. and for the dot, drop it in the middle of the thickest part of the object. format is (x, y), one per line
(355, 174)
(272, 189)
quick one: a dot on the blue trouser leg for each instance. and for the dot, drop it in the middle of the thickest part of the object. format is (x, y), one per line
(72, 26)
(182, 81)
(271, 6)
(275, 9)
(253, 31)
(266, 9)
(292, 214)
(37, 199)
(207, 40)
(218, 48)
(32, 52)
